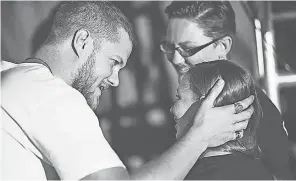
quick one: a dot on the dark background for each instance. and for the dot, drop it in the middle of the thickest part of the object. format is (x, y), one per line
(135, 116)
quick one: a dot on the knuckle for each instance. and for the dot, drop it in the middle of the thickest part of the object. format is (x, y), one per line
(240, 126)
(243, 106)
(237, 126)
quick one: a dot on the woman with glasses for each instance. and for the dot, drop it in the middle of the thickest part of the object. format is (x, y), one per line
(202, 31)
(237, 159)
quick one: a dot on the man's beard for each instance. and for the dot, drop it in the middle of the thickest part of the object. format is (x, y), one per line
(85, 79)
(183, 127)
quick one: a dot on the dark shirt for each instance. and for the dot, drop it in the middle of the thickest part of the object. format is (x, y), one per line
(273, 140)
(236, 166)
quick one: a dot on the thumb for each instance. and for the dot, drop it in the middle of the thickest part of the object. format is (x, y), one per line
(214, 93)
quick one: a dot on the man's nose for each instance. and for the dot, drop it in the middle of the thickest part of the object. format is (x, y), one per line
(113, 80)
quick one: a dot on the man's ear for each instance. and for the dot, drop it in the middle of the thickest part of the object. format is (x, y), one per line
(225, 45)
(82, 43)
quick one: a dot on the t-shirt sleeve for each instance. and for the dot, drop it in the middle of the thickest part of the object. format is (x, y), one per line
(5, 65)
(67, 132)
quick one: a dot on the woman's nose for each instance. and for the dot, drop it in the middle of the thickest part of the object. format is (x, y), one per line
(177, 59)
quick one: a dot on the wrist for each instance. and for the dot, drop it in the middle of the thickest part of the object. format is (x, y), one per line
(198, 135)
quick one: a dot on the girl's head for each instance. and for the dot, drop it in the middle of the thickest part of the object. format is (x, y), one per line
(196, 84)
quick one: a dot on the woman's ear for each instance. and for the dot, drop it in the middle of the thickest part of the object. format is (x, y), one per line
(224, 46)
(82, 43)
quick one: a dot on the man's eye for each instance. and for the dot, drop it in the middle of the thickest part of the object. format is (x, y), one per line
(187, 49)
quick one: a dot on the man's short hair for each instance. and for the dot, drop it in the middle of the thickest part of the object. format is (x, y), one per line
(215, 18)
(101, 18)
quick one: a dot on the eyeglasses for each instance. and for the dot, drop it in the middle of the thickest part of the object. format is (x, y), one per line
(168, 48)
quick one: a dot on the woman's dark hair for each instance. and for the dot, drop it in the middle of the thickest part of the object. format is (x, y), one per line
(216, 18)
(238, 86)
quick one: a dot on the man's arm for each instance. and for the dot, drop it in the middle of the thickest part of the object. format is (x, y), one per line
(212, 127)
(173, 164)
(176, 162)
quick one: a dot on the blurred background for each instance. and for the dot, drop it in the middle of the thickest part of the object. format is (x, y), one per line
(135, 116)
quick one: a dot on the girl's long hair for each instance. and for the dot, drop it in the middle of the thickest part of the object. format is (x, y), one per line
(238, 86)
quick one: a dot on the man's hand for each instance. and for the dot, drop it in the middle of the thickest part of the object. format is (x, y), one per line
(219, 124)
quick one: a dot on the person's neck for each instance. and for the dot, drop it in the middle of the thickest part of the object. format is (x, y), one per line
(58, 63)
(209, 153)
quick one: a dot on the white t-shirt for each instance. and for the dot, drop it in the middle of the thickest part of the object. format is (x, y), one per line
(45, 119)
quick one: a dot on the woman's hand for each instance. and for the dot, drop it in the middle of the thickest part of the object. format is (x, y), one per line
(218, 125)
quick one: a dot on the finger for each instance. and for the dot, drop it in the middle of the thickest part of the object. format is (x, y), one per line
(240, 125)
(215, 91)
(242, 105)
(237, 135)
(191, 112)
(243, 115)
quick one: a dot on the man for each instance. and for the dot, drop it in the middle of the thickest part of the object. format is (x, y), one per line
(200, 31)
(48, 100)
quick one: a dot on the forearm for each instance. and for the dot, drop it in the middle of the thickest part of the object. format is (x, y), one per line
(176, 162)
